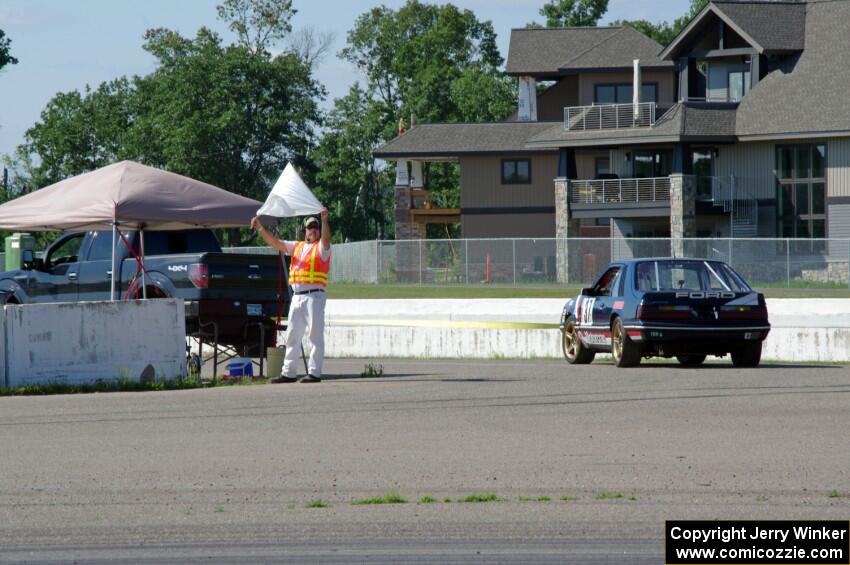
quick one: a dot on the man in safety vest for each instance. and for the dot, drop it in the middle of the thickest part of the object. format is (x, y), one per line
(308, 277)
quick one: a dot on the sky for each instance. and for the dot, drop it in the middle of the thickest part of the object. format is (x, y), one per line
(63, 45)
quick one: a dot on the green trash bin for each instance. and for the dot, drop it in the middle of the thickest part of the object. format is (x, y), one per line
(16, 244)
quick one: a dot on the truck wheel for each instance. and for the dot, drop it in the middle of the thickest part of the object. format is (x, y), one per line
(574, 350)
(625, 352)
(748, 355)
(691, 360)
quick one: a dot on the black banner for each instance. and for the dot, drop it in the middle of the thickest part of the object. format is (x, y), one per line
(757, 542)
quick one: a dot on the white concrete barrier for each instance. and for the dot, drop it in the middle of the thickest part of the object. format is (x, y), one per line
(803, 329)
(85, 342)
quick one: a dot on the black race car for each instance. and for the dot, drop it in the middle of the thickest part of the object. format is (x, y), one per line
(683, 308)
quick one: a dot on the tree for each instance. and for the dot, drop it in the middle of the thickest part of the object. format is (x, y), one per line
(230, 115)
(258, 23)
(79, 132)
(665, 32)
(348, 178)
(5, 51)
(572, 13)
(425, 61)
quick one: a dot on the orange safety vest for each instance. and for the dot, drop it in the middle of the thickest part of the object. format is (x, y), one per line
(310, 270)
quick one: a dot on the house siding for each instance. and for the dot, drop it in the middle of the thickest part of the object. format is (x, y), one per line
(551, 104)
(482, 193)
(752, 165)
(481, 183)
(477, 226)
(619, 164)
(838, 167)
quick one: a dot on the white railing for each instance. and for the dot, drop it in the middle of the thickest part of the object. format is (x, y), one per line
(609, 116)
(619, 190)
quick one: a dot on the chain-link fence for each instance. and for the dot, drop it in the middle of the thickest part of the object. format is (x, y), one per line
(794, 263)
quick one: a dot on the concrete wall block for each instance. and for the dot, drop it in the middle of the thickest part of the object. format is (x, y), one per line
(85, 342)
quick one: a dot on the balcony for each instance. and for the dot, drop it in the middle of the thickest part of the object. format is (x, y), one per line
(609, 116)
(618, 191)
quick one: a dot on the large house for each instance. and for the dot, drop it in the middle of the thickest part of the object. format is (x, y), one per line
(739, 128)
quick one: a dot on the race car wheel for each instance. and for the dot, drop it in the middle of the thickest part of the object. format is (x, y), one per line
(747, 355)
(691, 360)
(574, 350)
(625, 352)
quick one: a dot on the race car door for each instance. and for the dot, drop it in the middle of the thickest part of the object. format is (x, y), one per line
(605, 293)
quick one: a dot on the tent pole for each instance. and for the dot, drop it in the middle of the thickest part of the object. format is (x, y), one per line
(142, 251)
(112, 272)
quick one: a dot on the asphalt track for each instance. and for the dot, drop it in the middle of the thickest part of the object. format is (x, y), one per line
(224, 475)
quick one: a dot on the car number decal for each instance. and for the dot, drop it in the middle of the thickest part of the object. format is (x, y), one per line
(587, 311)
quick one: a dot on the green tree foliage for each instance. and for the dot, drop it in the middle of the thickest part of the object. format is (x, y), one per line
(572, 13)
(348, 179)
(5, 51)
(437, 63)
(666, 32)
(230, 115)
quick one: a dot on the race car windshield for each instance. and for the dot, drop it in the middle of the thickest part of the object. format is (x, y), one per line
(687, 275)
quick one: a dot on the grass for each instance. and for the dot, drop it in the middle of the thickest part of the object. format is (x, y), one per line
(344, 291)
(427, 500)
(372, 371)
(835, 494)
(489, 497)
(119, 385)
(391, 497)
(569, 498)
(318, 503)
(608, 495)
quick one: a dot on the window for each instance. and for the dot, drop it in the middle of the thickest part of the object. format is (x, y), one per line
(622, 93)
(739, 85)
(687, 275)
(607, 282)
(101, 246)
(174, 242)
(801, 190)
(703, 167)
(602, 166)
(649, 164)
(516, 171)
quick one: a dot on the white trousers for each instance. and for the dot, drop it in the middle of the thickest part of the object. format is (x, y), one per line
(306, 314)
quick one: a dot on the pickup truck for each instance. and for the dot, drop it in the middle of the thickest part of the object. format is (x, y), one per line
(235, 291)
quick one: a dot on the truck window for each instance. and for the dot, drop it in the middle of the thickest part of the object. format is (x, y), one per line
(101, 246)
(183, 241)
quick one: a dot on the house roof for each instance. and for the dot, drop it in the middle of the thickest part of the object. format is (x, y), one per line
(770, 26)
(451, 140)
(811, 97)
(691, 121)
(549, 52)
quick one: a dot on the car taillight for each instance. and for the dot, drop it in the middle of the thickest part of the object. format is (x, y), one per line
(663, 312)
(199, 275)
(742, 312)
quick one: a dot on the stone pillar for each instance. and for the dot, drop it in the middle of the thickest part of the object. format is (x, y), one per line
(407, 254)
(683, 220)
(566, 229)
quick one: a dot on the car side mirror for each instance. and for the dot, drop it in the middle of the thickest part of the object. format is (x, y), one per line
(588, 292)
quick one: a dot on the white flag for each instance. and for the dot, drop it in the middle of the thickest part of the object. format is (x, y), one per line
(290, 197)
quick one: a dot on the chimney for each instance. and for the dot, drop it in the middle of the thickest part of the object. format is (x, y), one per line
(527, 109)
(636, 88)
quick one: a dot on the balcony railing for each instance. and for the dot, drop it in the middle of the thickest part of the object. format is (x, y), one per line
(615, 191)
(609, 116)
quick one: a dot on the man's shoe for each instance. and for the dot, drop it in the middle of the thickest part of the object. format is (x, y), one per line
(282, 379)
(310, 379)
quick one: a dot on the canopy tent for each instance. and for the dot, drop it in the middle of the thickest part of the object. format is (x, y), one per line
(127, 194)
(131, 195)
